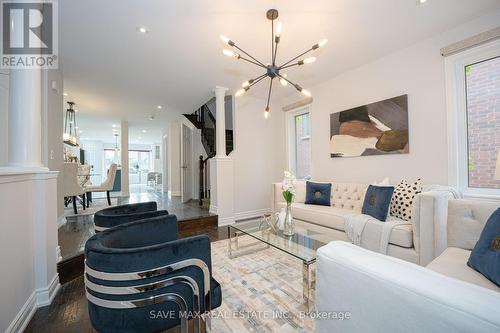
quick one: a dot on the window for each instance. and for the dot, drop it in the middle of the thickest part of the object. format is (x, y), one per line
(473, 87)
(299, 143)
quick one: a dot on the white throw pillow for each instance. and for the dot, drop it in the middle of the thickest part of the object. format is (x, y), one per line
(404, 198)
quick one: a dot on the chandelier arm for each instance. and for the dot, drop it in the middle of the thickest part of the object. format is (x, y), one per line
(275, 53)
(237, 47)
(269, 93)
(262, 77)
(297, 57)
(272, 41)
(287, 80)
(252, 62)
(288, 66)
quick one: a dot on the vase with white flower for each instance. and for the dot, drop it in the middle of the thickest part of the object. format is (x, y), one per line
(288, 188)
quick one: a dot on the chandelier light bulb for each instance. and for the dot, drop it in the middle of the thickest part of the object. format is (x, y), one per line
(230, 53)
(246, 83)
(322, 43)
(224, 39)
(266, 113)
(306, 92)
(279, 29)
(309, 60)
(283, 82)
(240, 92)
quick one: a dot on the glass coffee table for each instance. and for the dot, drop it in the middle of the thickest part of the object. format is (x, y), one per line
(302, 245)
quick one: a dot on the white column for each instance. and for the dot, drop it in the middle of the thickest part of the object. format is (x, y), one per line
(124, 158)
(25, 112)
(221, 167)
(220, 121)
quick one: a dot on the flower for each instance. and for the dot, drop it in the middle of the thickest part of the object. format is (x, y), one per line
(288, 186)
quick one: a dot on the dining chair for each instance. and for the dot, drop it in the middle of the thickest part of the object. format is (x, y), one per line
(105, 186)
(71, 185)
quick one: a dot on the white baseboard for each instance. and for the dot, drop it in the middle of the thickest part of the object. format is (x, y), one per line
(213, 209)
(61, 220)
(251, 214)
(40, 297)
(44, 296)
(225, 221)
(24, 316)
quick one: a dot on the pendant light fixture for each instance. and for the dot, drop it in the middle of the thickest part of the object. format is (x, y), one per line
(272, 70)
(69, 135)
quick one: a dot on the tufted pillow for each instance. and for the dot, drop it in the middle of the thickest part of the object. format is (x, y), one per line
(318, 194)
(485, 257)
(403, 199)
(377, 201)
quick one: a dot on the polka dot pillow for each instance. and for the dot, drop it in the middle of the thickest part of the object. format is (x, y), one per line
(403, 199)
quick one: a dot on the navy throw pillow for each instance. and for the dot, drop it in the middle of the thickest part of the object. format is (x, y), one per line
(318, 194)
(485, 257)
(377, 201)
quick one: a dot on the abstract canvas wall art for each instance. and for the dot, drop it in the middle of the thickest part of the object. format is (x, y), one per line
(374, 129)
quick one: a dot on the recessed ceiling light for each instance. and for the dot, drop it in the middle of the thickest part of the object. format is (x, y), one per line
(76, 127)
(114, 125)
(421, 2)
(142, 30)
(159, 107)
(65, 94)
(144, 131)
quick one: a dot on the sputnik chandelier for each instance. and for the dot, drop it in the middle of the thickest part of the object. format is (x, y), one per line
(271, 70)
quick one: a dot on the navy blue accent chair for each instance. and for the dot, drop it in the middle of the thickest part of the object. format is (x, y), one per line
(139, 276)
(113, 216)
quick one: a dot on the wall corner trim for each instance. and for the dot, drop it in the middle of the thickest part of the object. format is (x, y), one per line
(298, 104)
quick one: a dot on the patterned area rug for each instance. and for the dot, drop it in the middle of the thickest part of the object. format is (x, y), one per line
(261, 292)
(95, 206)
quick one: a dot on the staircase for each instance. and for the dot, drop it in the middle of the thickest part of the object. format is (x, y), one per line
(204, 120)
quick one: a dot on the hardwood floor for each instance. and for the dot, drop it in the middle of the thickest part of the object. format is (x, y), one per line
(68, 312)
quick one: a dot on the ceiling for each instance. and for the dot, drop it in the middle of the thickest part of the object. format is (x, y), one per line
(115, 73)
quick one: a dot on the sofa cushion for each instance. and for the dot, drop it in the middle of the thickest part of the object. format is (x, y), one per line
(453, 263)
(322, 215)
(318, 193)
(485, 257)
(404, 198)
(331, 217)
(377, 201)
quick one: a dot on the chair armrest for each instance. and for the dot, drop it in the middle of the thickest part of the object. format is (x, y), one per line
(386, 294)
(429, 220)
(277, 196)
(109, 221)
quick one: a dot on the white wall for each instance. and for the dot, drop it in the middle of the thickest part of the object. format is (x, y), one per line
(417, 71)
(174, 156)
(4, 116)
(52, 128)
(28, 244)
(258, 156)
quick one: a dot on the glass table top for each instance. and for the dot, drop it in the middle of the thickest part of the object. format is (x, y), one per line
(302, 245)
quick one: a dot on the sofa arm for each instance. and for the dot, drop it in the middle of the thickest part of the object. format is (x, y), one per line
(429, 220)
(386, 294)
(277, 197)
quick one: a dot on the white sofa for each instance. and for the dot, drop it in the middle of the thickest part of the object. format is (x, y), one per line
(415, 242)
(385, 294)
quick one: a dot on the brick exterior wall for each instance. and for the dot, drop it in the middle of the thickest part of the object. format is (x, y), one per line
(303, 144)
(483, 113)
